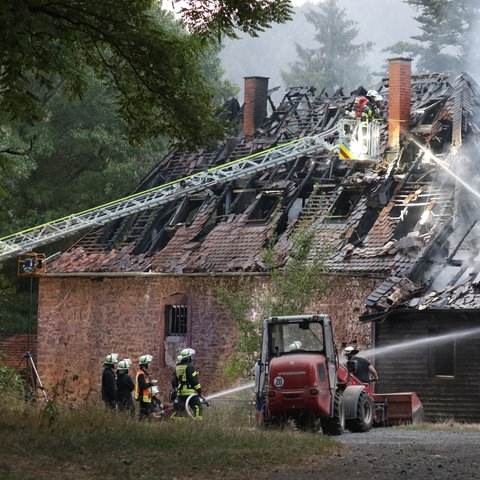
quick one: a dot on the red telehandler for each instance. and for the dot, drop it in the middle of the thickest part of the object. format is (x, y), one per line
(302, 379)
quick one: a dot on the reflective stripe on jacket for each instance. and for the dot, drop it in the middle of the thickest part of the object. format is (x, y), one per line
(187, 378)
(147, 393)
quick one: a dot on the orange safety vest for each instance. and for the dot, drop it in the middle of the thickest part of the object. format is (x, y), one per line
(147, 392)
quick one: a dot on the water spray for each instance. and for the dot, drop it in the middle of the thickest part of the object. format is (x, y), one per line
(377, 352)
(441, 164)
(231, 390)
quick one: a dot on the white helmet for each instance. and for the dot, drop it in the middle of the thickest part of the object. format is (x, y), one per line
(111, 359)
(350, 351)
(375, 95)
(124, 364)
(154, 390)
(187, 352)
(296, 345)
(145, 359)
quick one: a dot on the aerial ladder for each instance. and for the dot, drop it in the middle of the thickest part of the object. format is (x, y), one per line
(28, 240)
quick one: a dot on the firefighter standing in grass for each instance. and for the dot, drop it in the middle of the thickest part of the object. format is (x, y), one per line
(109, 389)
(142, 391)
(125, 387)
(185, 382)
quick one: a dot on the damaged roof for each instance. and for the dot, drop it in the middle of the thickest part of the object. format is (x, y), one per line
(382, 218)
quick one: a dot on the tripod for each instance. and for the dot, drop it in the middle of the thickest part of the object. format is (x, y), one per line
(32, 265)
(33, 380)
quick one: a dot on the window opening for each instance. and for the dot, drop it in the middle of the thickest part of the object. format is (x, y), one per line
(345, 203)
(176, 319)
(264, 209)
(186, 212)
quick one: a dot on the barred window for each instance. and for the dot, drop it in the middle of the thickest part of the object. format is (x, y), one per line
(176, 319)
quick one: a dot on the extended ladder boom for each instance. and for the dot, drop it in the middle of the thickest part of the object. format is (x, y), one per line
(28, 240)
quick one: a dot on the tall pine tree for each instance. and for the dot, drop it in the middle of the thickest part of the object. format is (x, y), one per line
(337, 61)
(448, 31)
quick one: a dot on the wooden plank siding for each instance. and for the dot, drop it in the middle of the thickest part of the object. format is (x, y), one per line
(411, 368)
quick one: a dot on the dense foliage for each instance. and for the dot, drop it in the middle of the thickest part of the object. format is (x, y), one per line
(212, 18)
(92, 95)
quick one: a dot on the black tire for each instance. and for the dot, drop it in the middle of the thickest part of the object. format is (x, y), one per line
(335, 425)
(363, 420)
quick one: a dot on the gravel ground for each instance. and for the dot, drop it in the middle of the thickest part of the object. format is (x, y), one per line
(393, 454)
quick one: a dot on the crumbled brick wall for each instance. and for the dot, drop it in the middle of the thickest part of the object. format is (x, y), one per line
(14, 347)
(82, 319)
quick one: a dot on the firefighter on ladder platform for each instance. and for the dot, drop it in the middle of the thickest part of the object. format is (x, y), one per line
(367, 107)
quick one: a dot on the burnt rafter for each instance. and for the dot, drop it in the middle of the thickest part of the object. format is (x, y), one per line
(377, 215)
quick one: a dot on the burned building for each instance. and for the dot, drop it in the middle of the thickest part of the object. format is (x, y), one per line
(377, 192)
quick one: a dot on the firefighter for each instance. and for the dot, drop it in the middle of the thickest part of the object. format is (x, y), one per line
(125, 387)
(259, 395)
(359, 366)
(109, 388)
(361, 107)
(373, 111)
(185, 382)
(142, 391)
(296, 345)
(157, 408)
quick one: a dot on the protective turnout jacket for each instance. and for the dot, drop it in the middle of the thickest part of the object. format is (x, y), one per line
(142, 390)
(109, 389)
(185, 380)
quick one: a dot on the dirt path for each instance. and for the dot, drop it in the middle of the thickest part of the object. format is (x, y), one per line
(393, 454)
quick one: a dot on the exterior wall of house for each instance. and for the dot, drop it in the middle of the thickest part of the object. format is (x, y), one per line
(81, 319)
(412, 369)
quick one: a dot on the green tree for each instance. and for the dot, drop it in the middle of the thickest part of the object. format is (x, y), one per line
(448, 29)
(152, 67)
(337, 62)
(290, 290)
(215, 19)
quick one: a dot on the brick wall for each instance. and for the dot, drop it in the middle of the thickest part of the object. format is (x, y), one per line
(14, 347)
(82, 319)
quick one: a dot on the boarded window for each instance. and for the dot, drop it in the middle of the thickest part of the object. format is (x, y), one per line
(442, 358)
(176, 319)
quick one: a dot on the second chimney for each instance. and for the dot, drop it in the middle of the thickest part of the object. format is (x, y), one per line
(399, 99)
(255, 105)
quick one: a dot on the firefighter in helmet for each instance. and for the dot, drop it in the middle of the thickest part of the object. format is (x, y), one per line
(125, 387)
(185, 382)
(359, 366)
(143, 384)
(109, 388)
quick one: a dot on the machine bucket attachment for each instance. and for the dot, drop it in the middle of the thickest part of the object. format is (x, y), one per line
(401, 408)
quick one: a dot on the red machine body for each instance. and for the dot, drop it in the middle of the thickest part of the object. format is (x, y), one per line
(302, 378)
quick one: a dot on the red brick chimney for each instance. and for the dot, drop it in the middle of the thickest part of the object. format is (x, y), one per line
(399, 99)
(255, 105)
